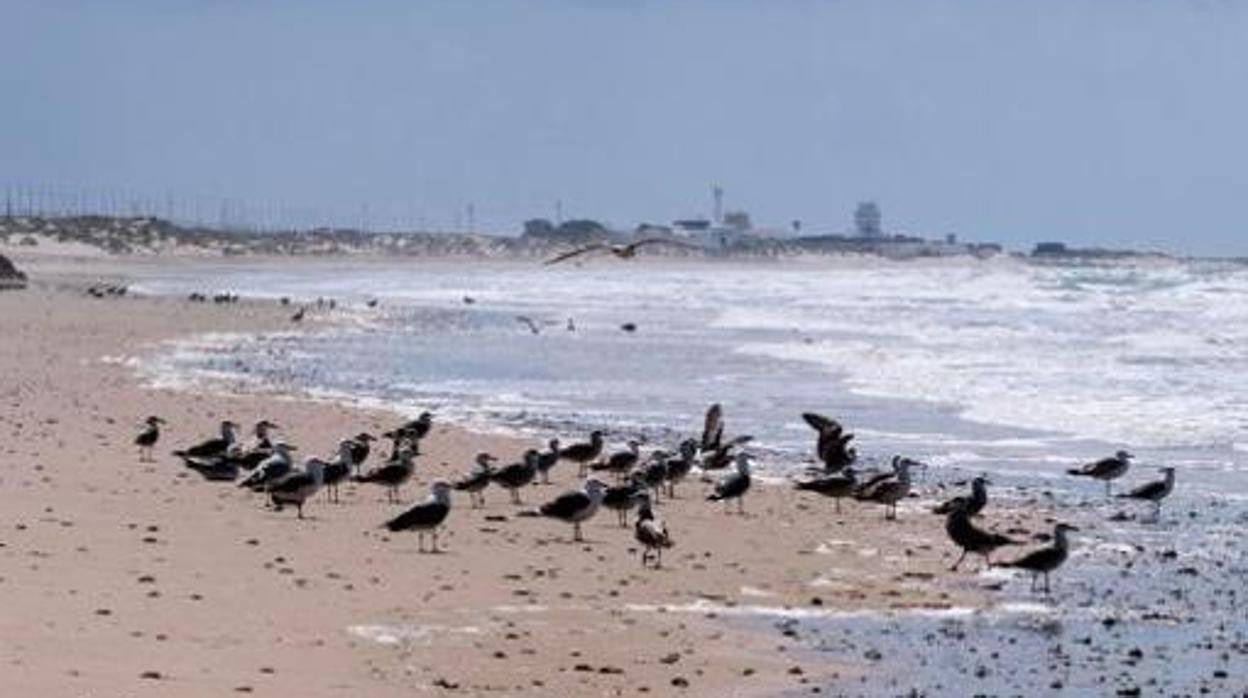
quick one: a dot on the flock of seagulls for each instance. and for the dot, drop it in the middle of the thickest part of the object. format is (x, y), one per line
(623, 481)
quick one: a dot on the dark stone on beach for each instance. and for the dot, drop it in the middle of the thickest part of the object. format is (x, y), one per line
(10, 276)
(680, 682)
(443, 683)
(152, 675)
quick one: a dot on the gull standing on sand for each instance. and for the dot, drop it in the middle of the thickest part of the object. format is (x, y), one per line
(275, 467)
(837, 486)
(475, 482)
(735, 485)
(584, 453)
(965, 535)
(395, 472)
(576, 506)
(1106, 469)
(650, 532)
(212, 448)
(1154, 491)
(620, 462)
(890, 491)
(426, 516)
(548, 460)
(361, 445)
(148, 438)
(677, 469)
(261, 448)
(972, 505)
(513, 477)
(414, 431)
(296, 488)
(1045, 560)
(622, 498)
(337, 469)
(620, 251)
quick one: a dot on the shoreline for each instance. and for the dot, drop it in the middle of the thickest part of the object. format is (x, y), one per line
(147, 570)
(118, 570)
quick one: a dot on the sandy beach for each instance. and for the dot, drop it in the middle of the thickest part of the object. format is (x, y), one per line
(123, 578)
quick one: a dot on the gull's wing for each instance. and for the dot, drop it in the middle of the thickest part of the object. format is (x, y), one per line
(579, 251)
(533, 326)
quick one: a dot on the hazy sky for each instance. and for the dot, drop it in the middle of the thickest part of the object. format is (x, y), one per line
(1098, 122)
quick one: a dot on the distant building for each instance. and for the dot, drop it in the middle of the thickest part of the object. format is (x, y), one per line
(738, 221)
(867, 220)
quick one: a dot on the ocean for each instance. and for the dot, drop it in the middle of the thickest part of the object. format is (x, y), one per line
(999, 367)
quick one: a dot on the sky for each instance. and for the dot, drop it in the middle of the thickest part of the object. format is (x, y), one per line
(1114, 122)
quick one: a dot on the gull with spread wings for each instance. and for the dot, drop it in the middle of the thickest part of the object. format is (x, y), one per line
(622, 251)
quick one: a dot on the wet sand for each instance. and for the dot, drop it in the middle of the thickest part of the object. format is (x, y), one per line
(125, 578)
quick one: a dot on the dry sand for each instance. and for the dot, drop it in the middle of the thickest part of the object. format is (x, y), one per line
(122, 578)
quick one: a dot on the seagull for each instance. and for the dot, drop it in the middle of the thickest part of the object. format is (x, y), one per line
(529, 323)
(712, 428)
(548, 460)
(832, 444)
(735, 485)
(620, 251)
(275, 467)
(212, 448)
(576, 506)
(1106, 469)
(394, 473)
(148, 438)
(622, 498)
(650, 531)
(891, 490)
(338, 469)
(296, 488)
(360, 447)
(475, 482)
(1045, 560)
(1154, 491)
(654, 472)
(722, 456)
(972, 505)
(677, 469)
(620, 462)
(965, 535)
(426, 516)
(517, 475)
(583, 453)
(260, 449)
(414, 431)
(836, 486)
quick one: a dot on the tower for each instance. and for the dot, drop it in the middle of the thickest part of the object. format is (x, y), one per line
(717, 212)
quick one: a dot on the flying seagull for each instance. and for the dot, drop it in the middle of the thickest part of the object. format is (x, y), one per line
(620, 251)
